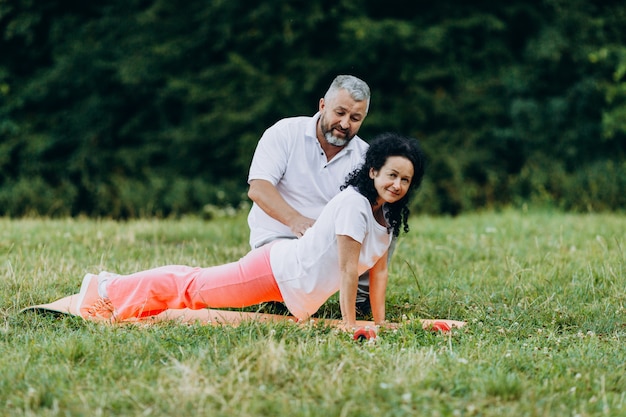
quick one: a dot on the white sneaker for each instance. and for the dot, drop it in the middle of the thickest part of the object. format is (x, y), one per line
(90, 305)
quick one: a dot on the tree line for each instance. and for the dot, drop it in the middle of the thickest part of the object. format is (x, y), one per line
(153, 108)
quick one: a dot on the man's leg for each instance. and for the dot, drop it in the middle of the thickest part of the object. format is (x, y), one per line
(363, 307)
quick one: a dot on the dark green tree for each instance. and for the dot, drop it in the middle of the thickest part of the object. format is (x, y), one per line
(146, 107)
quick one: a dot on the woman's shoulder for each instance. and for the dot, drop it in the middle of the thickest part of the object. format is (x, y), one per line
(350, 196)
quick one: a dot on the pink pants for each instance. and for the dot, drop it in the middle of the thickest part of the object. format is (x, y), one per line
(243, 283)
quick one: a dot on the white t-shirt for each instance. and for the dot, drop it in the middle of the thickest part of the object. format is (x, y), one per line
(289, 156)
(307, 269)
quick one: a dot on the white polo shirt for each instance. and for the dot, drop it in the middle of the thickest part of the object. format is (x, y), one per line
(289, 156)
(307, 269)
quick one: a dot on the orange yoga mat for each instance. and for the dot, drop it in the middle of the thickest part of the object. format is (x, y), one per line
(67, 305)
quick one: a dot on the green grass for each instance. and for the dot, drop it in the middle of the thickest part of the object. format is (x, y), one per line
(543, 294)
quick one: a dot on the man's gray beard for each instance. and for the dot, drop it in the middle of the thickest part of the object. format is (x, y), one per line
(335, 141)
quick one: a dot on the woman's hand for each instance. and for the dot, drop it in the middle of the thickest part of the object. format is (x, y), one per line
(345, 326)
(387, 325)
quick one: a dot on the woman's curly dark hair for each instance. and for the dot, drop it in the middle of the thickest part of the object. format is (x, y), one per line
(382, 147)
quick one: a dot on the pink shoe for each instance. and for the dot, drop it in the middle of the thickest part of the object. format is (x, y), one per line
(90, 305)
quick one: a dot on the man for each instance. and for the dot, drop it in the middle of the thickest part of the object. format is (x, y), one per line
(301, 162)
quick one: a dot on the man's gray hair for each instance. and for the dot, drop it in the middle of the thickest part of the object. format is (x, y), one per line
(357, 88)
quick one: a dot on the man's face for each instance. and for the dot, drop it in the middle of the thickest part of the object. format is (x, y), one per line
(341, 118)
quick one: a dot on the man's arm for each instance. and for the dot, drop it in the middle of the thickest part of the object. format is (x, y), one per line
(267, 197)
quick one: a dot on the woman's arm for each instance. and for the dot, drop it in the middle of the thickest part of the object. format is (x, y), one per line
(378, 288)
(349, 250)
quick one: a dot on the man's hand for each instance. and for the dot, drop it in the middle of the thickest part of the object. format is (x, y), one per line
(300, 225)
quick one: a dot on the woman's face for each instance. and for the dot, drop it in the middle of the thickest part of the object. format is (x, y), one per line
(393, 179)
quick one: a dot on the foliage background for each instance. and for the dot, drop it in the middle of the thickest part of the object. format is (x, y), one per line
(140, 108)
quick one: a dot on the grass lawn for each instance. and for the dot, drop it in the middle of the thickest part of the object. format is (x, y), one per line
(543, 293)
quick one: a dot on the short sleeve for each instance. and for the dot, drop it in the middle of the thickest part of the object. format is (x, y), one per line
(270, 156)
(351, 217)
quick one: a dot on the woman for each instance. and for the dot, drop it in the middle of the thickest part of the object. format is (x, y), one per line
(351, 235)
